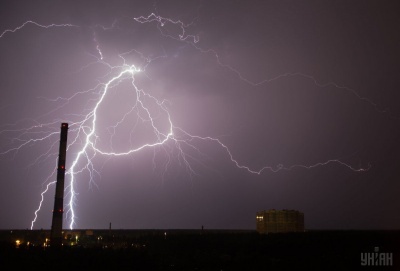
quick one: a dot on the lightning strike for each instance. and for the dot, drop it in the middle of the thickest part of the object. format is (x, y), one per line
(193, 40)
(34, 23)
(147, 109)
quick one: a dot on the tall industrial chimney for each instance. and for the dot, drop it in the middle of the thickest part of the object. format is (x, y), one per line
(56, 226)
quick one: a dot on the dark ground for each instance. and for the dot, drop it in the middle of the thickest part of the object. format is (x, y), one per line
(211, 250)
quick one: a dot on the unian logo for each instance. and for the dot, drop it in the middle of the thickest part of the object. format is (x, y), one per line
(377, 258)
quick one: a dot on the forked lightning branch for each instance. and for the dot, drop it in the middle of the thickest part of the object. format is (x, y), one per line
(145, 106)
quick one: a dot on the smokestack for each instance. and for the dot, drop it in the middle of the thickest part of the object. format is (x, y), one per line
(56, 226)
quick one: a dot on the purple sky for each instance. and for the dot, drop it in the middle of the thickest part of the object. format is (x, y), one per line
(252, 105)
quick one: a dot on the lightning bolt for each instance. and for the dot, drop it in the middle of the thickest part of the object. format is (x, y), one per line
(144, 112)
(34, 23)
(193, 40)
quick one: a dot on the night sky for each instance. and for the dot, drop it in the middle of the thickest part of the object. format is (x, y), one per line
(241, 106)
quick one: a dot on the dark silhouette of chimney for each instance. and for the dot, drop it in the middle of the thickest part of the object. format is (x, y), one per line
(56, 226)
